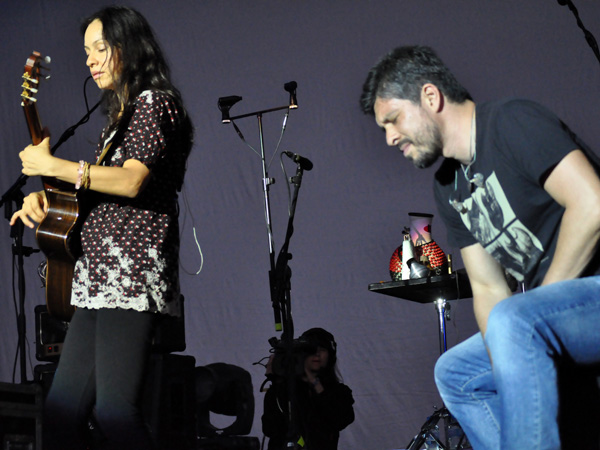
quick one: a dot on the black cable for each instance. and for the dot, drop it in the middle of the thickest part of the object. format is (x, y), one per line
(589, 37)
(69, 132)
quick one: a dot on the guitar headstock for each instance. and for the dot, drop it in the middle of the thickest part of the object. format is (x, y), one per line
(31, 83)
(32, 77)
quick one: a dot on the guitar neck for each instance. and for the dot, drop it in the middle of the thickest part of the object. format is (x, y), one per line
(34, 123)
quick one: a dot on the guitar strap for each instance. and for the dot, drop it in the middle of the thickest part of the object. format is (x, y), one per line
(116, 136)
(103, 154)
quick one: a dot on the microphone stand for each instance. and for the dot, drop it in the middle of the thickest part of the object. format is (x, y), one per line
(280, 272)
(15, 194)
(282, 288)
(266, 183)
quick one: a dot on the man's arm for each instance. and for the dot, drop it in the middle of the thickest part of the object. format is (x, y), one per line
(488, 282)
(574, 184)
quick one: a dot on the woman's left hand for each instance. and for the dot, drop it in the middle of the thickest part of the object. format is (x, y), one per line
(37, 159)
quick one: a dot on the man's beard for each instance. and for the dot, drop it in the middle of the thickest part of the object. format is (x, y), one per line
(428, 146)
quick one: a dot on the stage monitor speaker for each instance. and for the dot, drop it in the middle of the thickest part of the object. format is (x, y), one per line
(169, 335)
(50, 335)
(43, 374)
(168, 404)
(20, 416)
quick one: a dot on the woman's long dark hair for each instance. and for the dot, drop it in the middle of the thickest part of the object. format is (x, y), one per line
(140, 62)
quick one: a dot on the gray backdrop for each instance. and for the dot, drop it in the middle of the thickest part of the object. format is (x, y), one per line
(352, 206)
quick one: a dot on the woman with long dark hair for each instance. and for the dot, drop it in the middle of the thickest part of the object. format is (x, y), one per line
(323, 405)
(127, 276)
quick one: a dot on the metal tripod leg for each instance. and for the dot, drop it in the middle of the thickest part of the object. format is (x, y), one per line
(431, 423)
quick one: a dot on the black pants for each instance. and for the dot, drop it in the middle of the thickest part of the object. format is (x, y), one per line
(102, 365)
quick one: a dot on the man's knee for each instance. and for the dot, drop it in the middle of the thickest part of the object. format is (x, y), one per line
(505, 319)
(441, 369)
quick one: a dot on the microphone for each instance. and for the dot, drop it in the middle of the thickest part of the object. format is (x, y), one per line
(303, 162)
(225, 104)
(291, 88)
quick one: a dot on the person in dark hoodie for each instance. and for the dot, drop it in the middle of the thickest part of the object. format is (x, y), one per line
(323, 404)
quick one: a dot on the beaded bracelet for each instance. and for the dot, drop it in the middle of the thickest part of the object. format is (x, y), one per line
(80, 174)
(85, 182)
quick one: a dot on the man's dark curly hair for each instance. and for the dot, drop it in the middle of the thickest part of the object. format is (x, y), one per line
(402, 73)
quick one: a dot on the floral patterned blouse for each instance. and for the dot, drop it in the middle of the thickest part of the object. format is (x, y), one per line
(131, 245)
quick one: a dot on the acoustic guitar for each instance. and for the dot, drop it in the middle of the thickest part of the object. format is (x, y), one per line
(58, 234)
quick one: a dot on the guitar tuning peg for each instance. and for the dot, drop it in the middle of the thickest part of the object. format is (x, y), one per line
(46, 75)
(47, 60)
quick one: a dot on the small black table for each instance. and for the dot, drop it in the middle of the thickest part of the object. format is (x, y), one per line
(435, 289)
(438, 290)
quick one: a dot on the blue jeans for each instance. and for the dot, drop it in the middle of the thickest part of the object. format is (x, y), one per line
(530, 336)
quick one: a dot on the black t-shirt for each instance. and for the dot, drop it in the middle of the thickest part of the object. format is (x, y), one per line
(509, 213)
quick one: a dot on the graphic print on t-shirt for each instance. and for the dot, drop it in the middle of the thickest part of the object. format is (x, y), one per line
(491, 219)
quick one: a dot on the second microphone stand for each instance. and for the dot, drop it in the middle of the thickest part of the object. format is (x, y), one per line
(281, 297)
(280, 272)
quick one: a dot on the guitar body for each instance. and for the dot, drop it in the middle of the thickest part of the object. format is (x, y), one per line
(58, 236)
